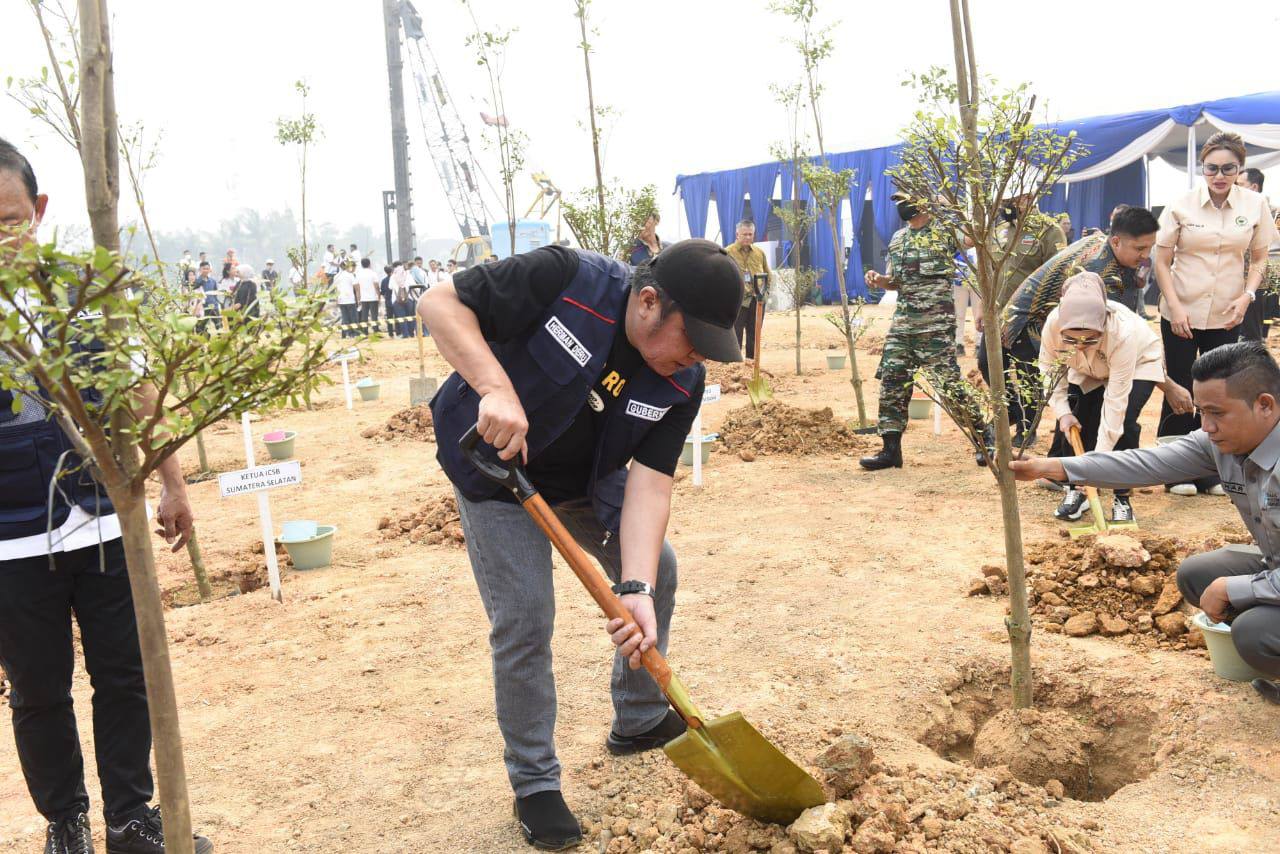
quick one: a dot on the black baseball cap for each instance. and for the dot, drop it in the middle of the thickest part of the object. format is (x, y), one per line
(706, 285)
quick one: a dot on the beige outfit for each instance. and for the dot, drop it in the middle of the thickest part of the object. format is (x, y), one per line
(1129, 350)
(1209, 248)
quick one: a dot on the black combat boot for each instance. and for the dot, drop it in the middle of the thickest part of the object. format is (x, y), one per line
(890, 455)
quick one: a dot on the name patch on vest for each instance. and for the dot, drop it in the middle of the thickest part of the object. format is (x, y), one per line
(568, 341)
(636, 409)
(1229, 486)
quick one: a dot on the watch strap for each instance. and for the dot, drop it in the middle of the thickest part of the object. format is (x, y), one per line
(625, 587)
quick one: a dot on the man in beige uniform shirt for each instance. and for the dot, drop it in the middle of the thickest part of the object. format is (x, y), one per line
(752, 263)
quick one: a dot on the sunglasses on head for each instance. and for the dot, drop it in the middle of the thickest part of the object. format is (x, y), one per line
(1227, 169)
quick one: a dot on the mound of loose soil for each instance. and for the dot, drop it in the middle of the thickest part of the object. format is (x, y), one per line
(433, 522)
(777, 428)
(413, 423)
(896, 808)
(1121, 585)
(1037, 746)
(734, 376)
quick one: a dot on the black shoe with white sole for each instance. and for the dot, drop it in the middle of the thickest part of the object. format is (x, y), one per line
(69, 836)
(1121, 509)
(1072, 506)
(145, 835)
(546, 822)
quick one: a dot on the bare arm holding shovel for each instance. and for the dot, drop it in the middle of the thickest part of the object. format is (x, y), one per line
(502, 421)
(645, 510)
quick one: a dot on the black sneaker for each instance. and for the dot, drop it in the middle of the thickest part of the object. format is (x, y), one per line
(145, 835)
(672, 726)
(546, 822)
(1072, 506)
(1121, 509)
(69, 836)
(1268, 690)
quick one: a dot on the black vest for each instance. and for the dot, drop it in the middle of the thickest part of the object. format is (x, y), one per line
(553, 367)
(29, 455)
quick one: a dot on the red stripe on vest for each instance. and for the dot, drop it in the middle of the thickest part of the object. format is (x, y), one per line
(679, 387)
(590, 310)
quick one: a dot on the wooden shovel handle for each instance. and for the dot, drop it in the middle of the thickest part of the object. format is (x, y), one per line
(1077, 444)
(422, 356)
(593, 580)
(512, 475)
(759, 324)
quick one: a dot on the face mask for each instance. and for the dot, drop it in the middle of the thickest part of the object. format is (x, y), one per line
(908, 211)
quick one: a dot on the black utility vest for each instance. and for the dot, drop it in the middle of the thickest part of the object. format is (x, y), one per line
(553, 367)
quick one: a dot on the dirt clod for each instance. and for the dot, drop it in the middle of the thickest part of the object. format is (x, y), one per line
(433, 522)
(847, 764)
(733, 377)
(413, 423)
(778, 428)
(823, 826)
(1082, 625)
(1036, 745)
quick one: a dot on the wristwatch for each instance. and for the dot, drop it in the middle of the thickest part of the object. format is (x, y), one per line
(626, 587)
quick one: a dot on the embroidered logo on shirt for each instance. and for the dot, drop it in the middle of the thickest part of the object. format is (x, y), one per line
(568, 341)
(595, 401)
(636, 409)
(1241, 221)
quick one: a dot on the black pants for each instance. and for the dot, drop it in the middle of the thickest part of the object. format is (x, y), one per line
(1179, 354)
(350, 316)
(1255, 631)
(746, 323)
(1021, 360)
(36, 605)
(369, 317)
(1087, 408)
(389, 303)
(1251, 328)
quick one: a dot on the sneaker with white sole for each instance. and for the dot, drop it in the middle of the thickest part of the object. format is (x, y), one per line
(1121, 509)
(1072, 506)
(1216, 489)
(1183, 489)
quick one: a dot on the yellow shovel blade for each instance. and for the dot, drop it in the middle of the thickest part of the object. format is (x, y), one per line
(758, 389)
(740, 768)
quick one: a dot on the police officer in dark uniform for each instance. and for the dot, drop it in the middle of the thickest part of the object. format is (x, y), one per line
(71, 563)
(579, 365)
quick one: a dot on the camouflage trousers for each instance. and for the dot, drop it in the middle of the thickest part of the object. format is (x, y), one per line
(909, 349)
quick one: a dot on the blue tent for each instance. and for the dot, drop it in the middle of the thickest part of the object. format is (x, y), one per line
(1114, 171)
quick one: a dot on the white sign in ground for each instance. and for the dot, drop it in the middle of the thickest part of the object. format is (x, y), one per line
(342, 357)
(710, 394)
(244, 481)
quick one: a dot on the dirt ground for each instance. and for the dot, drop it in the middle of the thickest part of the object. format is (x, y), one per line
(818, 599)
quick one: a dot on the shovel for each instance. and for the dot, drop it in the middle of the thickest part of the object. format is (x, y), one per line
(726, 756)
(758, 389)
(1100, 524)
(421, 387)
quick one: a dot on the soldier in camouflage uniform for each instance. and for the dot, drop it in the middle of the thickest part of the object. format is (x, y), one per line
(921, 268)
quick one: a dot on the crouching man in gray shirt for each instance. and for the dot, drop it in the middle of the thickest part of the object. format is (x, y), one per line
(1236, 387)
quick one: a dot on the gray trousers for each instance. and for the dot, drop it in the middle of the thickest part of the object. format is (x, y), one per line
(1256, 631)
(511, 559)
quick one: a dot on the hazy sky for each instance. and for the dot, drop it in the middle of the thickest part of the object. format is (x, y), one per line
(689, 80)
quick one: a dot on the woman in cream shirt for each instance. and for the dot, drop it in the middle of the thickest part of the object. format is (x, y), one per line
(1113, 362)
(1199, 265)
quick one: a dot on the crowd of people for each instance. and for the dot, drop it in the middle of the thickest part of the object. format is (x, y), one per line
(1078, 315)
(589, 369)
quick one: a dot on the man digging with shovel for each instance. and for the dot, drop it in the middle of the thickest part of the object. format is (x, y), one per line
(576, 365)
(1236, 387)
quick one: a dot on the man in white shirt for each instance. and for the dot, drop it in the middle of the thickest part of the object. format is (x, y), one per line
(367, 284)
(354, 256)
(345, 284)
(330, 263)
(68, 559)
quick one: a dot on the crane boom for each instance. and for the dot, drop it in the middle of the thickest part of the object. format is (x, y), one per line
(443, 131)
